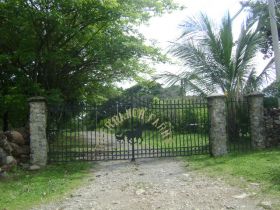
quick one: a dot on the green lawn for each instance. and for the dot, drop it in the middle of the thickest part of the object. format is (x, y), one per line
(261, 167)
(23, 189)
(78, 143)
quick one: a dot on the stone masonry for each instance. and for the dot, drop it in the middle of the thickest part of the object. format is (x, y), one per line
(218, 132)
(272, 127)
(38, 124)
(257, 120)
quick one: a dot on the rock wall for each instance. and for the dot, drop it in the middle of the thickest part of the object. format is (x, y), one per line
(256, 120)
(38, 136)
(14, 148)
(272, 127)
(218, 132)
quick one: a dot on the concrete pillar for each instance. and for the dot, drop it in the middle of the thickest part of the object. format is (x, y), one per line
(218, 131)
(38, 136)
(256, 110)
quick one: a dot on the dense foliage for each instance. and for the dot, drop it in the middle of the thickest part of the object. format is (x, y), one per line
(71, 50)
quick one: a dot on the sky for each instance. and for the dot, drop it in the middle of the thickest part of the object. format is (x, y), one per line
(165, 29)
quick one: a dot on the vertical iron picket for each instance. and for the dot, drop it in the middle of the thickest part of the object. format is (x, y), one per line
(81, 132)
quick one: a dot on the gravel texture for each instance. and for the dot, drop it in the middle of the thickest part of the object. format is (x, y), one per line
(154, 184)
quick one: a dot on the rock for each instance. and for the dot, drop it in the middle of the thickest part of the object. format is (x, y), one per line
(5, 144)
(10, 160)
(230, 207)
(15, 137)
(34, 167)
(25, 134)
(3, 156)
(16, 149)
(242, 196)
(255, 184)
(266, 205)
(75, 195)
(140, 191)
(3, 174)
(19, 150)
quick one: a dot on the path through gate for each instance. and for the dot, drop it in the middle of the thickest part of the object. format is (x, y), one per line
(128, 129)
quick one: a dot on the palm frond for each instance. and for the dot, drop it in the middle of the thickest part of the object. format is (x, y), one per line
(213, 61)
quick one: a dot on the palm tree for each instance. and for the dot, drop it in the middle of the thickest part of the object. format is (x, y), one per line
(214, 61)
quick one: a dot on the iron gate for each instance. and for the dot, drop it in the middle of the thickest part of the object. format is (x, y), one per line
(128, 129)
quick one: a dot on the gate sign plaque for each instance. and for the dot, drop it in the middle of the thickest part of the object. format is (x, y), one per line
(164, 128)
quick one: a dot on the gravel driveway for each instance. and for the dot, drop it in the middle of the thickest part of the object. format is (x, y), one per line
(153, 184)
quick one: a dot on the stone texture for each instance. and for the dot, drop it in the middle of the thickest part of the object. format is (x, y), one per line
(34, 167)
(10, 160)
(3, 156)
(4, 144)
(38, 137)
(257, 120)
(19, 150)
(272, 127)
(15, 137)
(218, 132)
(266, 204)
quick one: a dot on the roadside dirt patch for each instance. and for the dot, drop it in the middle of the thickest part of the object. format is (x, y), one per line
(153, 184)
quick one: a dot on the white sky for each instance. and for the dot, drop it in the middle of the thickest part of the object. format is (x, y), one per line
(165, 29)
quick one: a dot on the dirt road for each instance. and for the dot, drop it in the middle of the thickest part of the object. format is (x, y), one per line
(153, 184)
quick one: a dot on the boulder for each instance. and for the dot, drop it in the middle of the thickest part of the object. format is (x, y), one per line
(3, 156)
(4, 144)
(15, 137)
(25, 134)
(16, 152)
(10, 160)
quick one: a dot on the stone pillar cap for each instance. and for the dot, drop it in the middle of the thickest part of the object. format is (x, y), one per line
(254, 94)
(37, 99)
(216, 95)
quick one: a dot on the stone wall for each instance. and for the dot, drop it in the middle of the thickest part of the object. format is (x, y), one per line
(14, 148)
(38, 137)
(256, 120)
(272, 127)
(218, 132)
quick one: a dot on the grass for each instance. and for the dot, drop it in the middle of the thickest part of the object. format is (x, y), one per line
(22, 189)
(77, 147)
(78, 143)
(261, 167)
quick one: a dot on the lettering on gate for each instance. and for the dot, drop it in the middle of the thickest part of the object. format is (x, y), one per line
(164, 128)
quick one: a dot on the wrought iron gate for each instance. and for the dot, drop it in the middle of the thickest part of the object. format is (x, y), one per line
(128, 129)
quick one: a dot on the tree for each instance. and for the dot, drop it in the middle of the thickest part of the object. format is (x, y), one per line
(60, 48)
(214, 61)
(258, 11)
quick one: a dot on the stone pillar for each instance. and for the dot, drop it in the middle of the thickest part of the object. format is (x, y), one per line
(255, 101)
(38, 136)
(218, 132)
